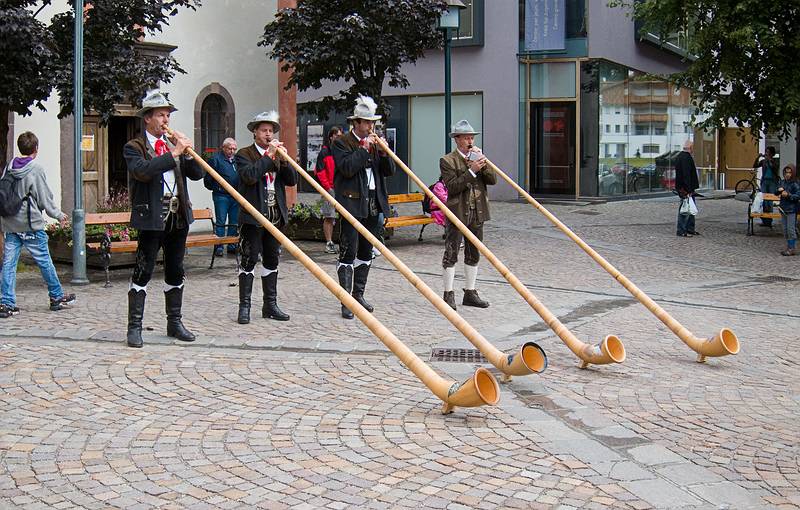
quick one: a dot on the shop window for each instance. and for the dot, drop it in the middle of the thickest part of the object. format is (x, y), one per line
(470, 26)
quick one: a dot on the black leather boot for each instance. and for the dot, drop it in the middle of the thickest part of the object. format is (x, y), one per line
(270, 310)
(173, 300)
(471, 298)
(450, 298)
(360, 274)
(135, 315)
(346, 281)
(245, 290)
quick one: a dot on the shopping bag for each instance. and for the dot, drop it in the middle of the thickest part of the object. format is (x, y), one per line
(684, 208)
(758, 203)
(692, 206)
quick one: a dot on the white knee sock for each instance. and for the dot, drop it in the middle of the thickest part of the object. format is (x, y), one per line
(449, 276)
(138, 288)
(470, 275)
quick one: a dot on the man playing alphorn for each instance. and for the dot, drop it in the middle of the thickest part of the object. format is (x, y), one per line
(161, 211)
(263, 178)
(466, 176)
(360, 186)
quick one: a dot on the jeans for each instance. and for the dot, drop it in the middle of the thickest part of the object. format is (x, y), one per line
(789, 221)
(36, 244)
(225, 207)
(685, 223)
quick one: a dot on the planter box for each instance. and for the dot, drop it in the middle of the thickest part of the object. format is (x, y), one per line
(310, 230)
(60, 251)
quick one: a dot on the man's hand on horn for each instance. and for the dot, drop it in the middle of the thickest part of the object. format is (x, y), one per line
(272, 148)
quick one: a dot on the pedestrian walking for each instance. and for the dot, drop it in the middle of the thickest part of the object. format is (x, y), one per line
(686, 184)
(325, 171)
(25, 178)
(769, 179)
(226, 209)
(263, 177)
(788, 189)
(161, 211)
(360, 186)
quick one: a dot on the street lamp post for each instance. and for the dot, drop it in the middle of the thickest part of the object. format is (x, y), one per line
(78, 214)
(447, 21)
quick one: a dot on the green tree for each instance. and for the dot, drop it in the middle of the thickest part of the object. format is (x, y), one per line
(743, 56)
(38, 54)
(361, 43)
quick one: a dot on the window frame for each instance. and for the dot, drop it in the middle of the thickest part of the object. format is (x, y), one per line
(478, 24)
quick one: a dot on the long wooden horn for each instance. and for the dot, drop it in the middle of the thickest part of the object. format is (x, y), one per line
(528, 359)
(721, 344)
(480, 389)
(609, 350)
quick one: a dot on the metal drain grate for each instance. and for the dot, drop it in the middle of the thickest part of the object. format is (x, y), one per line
(457, 355)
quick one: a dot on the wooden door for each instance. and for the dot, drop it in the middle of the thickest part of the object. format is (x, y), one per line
(94, 163)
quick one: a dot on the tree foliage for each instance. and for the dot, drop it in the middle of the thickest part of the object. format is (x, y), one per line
(360, 43)
(745, 54)
(38, 55)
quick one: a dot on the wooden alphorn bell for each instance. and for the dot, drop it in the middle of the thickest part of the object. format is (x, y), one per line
(480, 389)
(609, 350)
(528, 359)
(722, 343)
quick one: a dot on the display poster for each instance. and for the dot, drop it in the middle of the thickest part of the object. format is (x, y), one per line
(545, 25)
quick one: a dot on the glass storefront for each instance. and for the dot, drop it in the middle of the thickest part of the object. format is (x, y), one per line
(642, 124)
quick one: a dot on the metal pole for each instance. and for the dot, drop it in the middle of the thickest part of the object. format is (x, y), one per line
(78, 214)
(447, 111)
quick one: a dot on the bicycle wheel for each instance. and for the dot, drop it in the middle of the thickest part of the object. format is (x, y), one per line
(745, 186)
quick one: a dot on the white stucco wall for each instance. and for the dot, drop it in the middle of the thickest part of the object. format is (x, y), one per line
(46, 127)
(216, 43)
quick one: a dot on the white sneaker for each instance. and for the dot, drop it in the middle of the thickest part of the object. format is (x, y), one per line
(375, 252)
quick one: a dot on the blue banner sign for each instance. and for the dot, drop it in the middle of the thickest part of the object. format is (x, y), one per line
(545, 25)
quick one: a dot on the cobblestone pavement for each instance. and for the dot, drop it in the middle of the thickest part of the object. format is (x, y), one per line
(315, 412)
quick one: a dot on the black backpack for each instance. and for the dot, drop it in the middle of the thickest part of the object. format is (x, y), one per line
(10, 200)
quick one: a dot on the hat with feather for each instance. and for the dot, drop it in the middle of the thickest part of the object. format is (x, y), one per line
(365, 109)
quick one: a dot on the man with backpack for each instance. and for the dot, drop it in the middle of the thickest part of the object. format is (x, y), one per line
(24, 194)
(466, 176)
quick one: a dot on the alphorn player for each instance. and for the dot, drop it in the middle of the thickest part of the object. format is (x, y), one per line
(466, 175)
(263, 178)
(360, 186)
(161, 211)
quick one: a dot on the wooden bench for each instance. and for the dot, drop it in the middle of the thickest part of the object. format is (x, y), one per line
(106, 246)
(753, 215)
(393, 222)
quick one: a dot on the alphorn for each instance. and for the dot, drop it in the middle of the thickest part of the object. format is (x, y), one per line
(609, 350)
(480, 389)
(530, 358)
(721, 344)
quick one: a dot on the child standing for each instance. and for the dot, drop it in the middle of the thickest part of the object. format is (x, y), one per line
(789, 192)
(26, 228)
